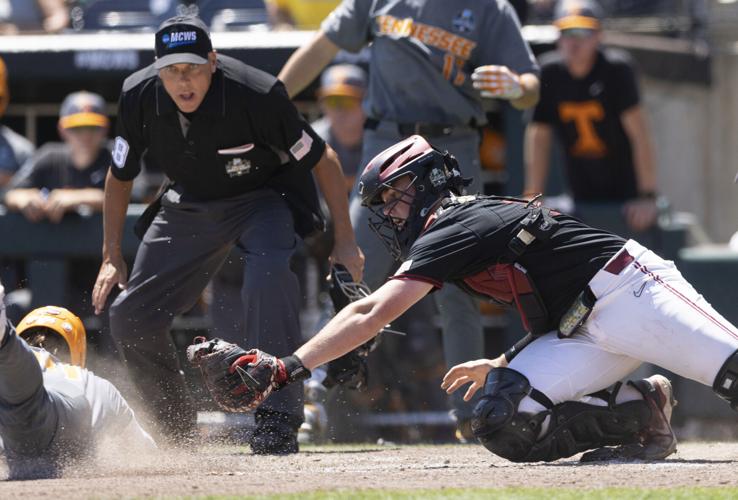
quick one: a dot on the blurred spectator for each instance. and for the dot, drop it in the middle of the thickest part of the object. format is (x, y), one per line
(342, 126)
(590, 99)
(70, 176)
(298, 14)
(66, 177)
(14, 148)
(50, 16)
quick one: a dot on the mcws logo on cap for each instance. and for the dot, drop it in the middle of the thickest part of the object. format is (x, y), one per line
(178, 38)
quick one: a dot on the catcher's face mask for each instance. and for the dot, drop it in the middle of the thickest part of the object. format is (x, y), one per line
(57, 330)
(401, 184)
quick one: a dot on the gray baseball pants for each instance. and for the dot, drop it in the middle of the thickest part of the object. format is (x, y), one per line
(182, 250)
(461, 324)
(41, 429)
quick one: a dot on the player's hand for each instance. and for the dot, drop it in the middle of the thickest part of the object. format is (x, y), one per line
(497, 81)
(640, 213)
(351, 256)
(471, 371)
(34, 210)
(113, 270)
(57, 204)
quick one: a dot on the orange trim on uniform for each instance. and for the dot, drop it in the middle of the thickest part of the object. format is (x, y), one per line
(577, 22)
(83, 120)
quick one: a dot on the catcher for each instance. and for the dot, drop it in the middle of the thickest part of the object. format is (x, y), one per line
(52, 410)
(595, 305)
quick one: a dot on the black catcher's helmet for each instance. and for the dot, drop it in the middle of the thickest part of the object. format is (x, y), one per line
(433, 175)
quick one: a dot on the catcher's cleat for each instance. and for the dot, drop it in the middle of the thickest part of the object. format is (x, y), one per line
(657, 439)
(275, 434)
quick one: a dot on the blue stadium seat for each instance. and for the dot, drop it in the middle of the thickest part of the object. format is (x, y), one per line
(223, 15)
(121, 15)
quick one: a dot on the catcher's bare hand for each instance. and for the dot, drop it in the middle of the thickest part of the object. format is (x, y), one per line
(113, 270)
(471, 371)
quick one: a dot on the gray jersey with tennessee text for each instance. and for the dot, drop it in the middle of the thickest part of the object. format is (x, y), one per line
(424, 51)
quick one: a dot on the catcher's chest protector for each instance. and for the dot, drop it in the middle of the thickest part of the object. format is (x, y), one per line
(510, 284)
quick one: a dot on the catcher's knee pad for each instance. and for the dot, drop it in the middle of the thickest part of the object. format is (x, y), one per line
(726, 382)
(496, 421)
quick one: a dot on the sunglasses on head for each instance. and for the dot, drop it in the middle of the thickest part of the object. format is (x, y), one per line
(340, 102)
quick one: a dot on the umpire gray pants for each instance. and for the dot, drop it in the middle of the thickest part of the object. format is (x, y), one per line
(461, 324)
(182, 250)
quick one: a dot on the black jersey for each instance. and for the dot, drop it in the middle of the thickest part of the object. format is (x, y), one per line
(586, 115)
(51, 167)
(245, 135)
(469, 238)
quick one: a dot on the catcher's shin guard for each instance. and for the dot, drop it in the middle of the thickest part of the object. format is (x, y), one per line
(572, 427)
(496, 421)
(726, 382)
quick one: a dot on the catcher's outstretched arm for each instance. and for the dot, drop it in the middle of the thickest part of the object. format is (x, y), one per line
(361, 320)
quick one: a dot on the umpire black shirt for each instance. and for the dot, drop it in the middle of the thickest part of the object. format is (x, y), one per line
(245, 135)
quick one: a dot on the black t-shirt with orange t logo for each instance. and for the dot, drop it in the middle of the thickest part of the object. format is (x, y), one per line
(586, 115)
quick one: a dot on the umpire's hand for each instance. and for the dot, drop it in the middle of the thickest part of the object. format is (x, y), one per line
(113, 270)
(351, 256)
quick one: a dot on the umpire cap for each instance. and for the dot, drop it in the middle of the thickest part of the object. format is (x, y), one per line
(182, 39)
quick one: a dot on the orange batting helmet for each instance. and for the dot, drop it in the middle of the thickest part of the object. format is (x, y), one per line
(61, 322)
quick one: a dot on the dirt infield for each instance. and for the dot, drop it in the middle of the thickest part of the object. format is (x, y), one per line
(233, 471)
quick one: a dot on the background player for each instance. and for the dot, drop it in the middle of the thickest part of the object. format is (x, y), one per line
(590, 101)
(596, 307)
(54, 411)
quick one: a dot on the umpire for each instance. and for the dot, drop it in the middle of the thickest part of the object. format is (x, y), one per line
(239, 157)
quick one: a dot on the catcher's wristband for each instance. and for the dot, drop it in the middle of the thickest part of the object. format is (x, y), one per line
(296, 371)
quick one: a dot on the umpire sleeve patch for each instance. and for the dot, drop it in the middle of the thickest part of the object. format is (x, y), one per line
(302, 146)
(120, 152)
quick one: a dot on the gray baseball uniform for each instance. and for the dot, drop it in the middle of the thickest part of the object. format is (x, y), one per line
(53, 412)
(421, 58)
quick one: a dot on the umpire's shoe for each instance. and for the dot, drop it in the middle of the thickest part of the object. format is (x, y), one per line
(657, 439)
(275, 433)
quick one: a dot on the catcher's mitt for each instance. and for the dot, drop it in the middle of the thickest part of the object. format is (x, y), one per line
(240, 380)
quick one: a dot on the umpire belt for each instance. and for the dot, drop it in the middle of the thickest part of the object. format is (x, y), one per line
(419, 128)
